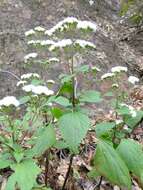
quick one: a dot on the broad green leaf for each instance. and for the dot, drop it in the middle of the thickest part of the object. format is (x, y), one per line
(109, 164)
(45, 140)
(133, 121)
(24, 175)
(132, 154)
(91, 96)
(62, 101)
(5, 163)
(103, 128)
(74, 127)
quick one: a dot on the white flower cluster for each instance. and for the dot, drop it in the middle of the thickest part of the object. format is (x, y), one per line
(39, 29)
(40, 42)
(38, 90)
(21, 82)
(107, 75)
(68, 42)
(84, 44)
(114, 70)
(30, 56)
(133, 79)
(115, 85)
(61, 44)
(131, 109)
(8, 101)
(119, 69)
(30, 32)
(54, 59)
(30, 75)
(91, 2)
(71, 20)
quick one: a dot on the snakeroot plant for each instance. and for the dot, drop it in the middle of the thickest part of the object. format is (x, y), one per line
(30, 124)
(116, 156)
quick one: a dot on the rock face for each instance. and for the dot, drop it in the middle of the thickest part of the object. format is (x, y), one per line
(18, 16)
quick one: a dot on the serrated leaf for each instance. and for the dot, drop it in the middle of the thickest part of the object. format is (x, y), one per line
(24, 175)
(109, 164)
(132, 154)
(91, 96)
(45, 140)
(74, 127)
(103, 128)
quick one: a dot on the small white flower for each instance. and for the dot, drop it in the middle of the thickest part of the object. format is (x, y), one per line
(115, 85)
(107, 75)
(29, 75)
(87, 24)
(133, 79)
(21, 82)
(61, 44)
(8, 101)
(39, 29)
(119, 69)
(29, 32)
(54, 59)
(30, 56)
(84, 44)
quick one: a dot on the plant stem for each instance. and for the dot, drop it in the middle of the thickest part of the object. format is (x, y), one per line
(73, 105)
(68, 172)
(46, 167)
(99, 183)
(10, 73)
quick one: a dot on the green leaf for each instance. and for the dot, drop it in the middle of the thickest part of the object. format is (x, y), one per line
(103, 128)
(132, 154)
(82, 69)
(56, 112)
(62, 101)
(24, 99)
(5, 163)
(74, 127)
(91, 96)
(24, 175)
(109, 164)
(133, 121)
(45, 140)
